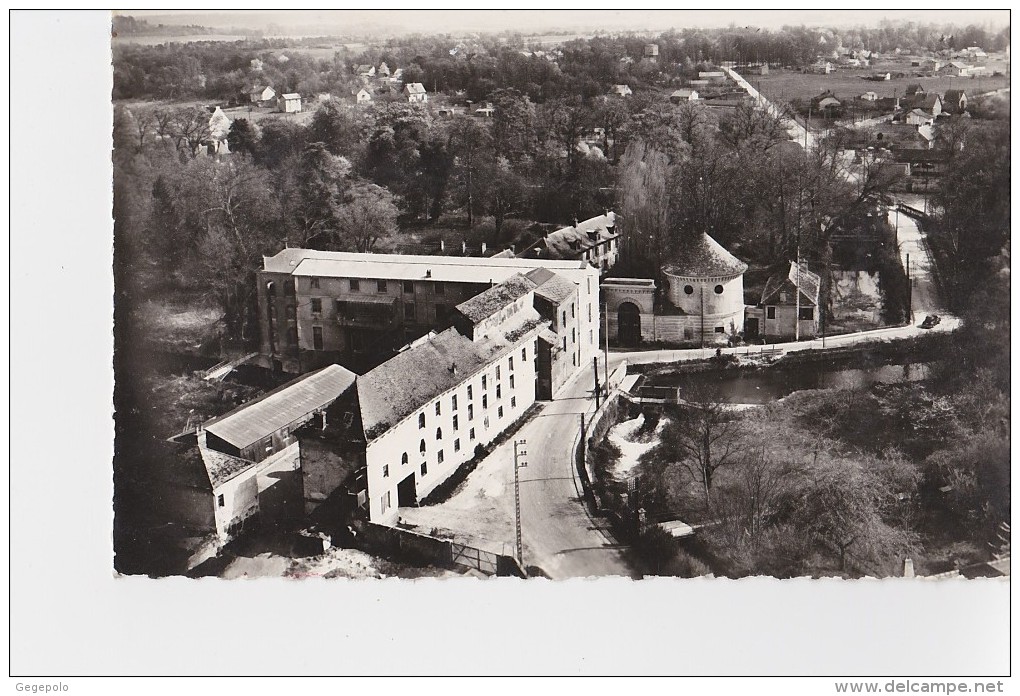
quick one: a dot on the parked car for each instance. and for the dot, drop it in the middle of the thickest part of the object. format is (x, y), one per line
(930, 321)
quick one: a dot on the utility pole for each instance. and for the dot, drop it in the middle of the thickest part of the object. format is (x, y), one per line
(702, 315)
(606, 342)
(910, 292)
(518, 464)
(598, 389)
(796, 322)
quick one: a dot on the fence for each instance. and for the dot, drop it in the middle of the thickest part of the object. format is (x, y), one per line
(423, 548)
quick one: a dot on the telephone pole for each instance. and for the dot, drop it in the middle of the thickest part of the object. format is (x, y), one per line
(519, 452)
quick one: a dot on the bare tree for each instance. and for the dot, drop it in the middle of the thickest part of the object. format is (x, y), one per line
(190, 126)
(144, 119)
(704, 437)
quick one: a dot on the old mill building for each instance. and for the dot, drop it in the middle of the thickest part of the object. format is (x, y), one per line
(333, 442)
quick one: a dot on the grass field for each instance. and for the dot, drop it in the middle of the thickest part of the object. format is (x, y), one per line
(784, 86)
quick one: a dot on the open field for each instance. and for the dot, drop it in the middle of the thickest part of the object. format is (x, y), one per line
(784, 86)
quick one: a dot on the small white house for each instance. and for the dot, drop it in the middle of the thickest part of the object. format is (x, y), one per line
(684, 95)
(363, 96)
(622, 90)
(869, 96)
(260, 94)
(290, 103)
(415, 93)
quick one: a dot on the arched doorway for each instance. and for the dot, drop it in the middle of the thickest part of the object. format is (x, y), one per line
(629, 324)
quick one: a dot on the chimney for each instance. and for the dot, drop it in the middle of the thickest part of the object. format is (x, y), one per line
(428, 272)
(483, 248)
(908, 568)
(442, 245)
(463, 247)
(453, 368)
(512, 249)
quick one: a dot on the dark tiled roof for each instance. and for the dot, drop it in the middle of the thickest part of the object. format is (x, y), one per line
(257, 419)
(411, 379)
(551, 286)
(705, 257)
(571, 241)
(809, 285)
(497, 297)
(222, 467)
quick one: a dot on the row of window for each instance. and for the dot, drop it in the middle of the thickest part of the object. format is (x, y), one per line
(438, 406)
(382, 285)
(805, 313)
(689, 289)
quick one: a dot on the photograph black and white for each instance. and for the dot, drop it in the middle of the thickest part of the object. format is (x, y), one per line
(575, 294)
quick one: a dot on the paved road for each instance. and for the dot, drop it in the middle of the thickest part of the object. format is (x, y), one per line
(909, 237)
(798, 133)
(559, 536)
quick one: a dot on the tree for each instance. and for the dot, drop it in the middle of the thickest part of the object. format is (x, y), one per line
(841, 506)
(702, 436)
(321, 186)
(243, 137)
(337, 128)
(470, 142)
(190, 127)
(505, 192)
(367, 218)
(144, 119)
(644, 171)
(513, 125)
(752, 126)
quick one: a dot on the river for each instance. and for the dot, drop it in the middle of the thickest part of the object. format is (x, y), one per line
(760, 386)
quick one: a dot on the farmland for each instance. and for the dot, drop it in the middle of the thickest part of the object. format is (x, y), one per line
(787, 85)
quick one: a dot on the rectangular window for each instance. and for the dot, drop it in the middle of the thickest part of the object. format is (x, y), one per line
(807, 313)
(409, 310)
(439, 409)
(317, 337)
(500, 412)
(409, 286)
(471, 411)
(424, 468)
(421, 421)
(315, 283)
(380, 285)
(564, 344)
(456, 423)
(573, 359)
(499, 391)
(341, 308)
(589, 311)
(385, 470)
(456, 445)
(564, 322)
(511, 365)
(486, 422)
(688, 333)
(471, 434)
(220, 502)
(720, 329)
(524, 355)
(770, 312)
(439, 456)
(573, 314)
(573, 335)
(485, 381)
(591, 337)
(355, 285)
(470, 393)
(440, 289)
(316, 305)
(453, 402)
(497, 372)
(389, 502)
(511, 381)
(513, 402)
(485, 401)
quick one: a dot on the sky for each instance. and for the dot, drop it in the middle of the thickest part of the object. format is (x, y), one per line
(535, 21)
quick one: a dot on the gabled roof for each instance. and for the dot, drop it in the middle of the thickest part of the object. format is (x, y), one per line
(570, 241)
(292, 95)
(413, 378)
(809, 284)
(551, 286)
(250, 422)
(954, 95)
(487, 303)
(221, 467)
(414, 88)
(702, 256)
